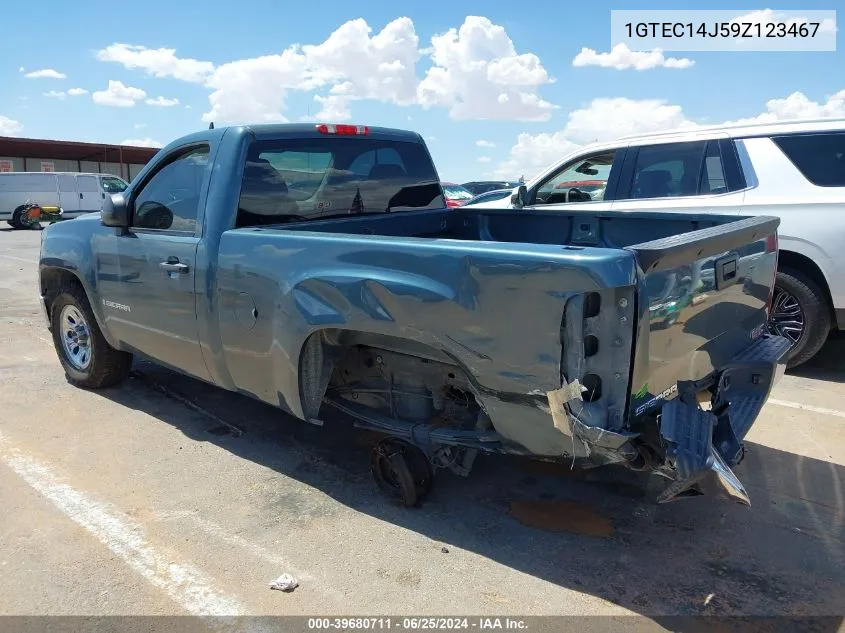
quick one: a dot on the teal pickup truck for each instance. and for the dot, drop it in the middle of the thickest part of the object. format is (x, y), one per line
(318, 269)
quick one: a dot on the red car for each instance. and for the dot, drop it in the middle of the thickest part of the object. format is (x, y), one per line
(589, 187)
(455, 195)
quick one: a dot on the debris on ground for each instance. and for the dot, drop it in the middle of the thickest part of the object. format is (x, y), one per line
(285, 582)
(444, 549)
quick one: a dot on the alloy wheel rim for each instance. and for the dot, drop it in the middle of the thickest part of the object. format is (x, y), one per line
(787, 317)
(76, 337)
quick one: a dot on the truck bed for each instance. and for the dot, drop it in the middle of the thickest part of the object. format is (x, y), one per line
(522, 303)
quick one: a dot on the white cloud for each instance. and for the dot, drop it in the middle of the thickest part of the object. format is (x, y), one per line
(621, 57)
(483, 143)
(478, 74)
(141, 142)
(56, 94)
(118, 95)
(484, 159)
(798, 106)
(77, 92)
(140, 126)
(609, 118)
(334, 108)
(605, 119)
(162, 102)
(351, 63)
(254, 90)
(21, 69)
(159, 62)
(431, 138)
(45, 73)
(9, 127)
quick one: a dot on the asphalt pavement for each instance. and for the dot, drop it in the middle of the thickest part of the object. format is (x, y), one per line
(166, 496)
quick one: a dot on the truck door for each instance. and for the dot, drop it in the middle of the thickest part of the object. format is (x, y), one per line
(68, 195)
(149, 298)
(89, 194)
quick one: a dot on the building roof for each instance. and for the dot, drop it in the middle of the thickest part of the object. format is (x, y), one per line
(71, 150)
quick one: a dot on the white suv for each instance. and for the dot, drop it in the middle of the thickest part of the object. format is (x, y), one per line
(793, 170)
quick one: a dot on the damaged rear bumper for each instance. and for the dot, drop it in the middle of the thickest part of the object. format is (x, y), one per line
(703, 445)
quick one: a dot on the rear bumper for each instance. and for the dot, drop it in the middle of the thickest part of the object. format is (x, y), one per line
(701, 446)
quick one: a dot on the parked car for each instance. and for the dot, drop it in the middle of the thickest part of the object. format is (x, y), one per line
(792, 170)
(74, 193)
(496, 194)
(483, 186)
(452, 331)
(456, 195)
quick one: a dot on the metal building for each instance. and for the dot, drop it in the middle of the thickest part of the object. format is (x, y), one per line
(29, 154)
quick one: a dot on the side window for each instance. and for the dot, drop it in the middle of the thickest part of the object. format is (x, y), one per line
(87, 184)
(113, 185)
(584, 180)
(67, 184)
(170, 199)
(713, 179)
(674, 170)
(819, 157)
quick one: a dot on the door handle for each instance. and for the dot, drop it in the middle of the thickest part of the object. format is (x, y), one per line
(173, 265)
(80, 196)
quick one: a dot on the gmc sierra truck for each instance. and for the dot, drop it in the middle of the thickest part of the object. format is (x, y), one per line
(317, 268)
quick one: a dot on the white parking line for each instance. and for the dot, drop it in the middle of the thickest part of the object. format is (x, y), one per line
(185, 584)
(218, 531)
(806, 407)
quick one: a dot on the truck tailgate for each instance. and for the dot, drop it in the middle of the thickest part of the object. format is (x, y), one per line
(703, 301)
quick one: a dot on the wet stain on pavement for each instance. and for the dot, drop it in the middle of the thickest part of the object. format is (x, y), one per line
(561, 515)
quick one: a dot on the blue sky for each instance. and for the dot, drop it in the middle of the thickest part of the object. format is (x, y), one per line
(525, 51)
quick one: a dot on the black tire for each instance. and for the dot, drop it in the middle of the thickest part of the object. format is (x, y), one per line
(107, 366)
(16, 219)
(817, 318)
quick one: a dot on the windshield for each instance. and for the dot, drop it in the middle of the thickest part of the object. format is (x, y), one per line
(457, 192)
(289, 180)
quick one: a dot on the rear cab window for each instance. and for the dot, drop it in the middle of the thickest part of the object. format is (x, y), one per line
(819, 157)
(291, 180)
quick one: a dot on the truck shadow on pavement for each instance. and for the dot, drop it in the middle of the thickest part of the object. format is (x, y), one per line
(604, 534)
(829, 363)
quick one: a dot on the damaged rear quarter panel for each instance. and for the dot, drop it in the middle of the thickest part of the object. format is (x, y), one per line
(495, 309)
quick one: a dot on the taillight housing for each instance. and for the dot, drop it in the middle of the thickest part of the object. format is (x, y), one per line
(343, 130)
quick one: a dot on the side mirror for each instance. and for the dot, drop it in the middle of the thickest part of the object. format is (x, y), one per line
(519, 198)
(115, 211)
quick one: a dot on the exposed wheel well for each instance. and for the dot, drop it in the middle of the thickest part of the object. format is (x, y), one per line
(803, 264)
(53, 280)
(332, 355)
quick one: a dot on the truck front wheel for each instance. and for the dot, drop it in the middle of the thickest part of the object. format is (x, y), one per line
(87, 358)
